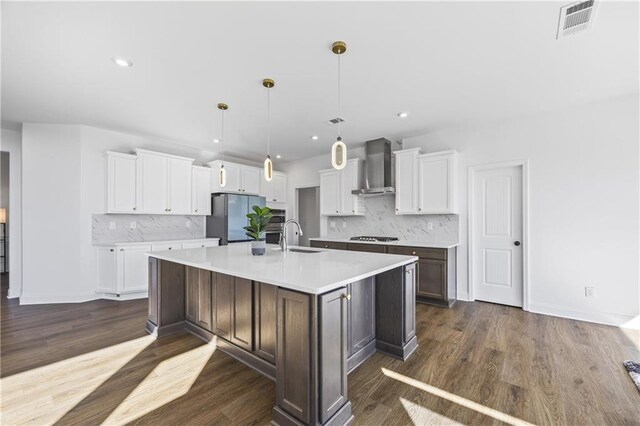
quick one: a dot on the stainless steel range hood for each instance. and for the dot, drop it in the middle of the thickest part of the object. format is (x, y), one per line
(378, 175)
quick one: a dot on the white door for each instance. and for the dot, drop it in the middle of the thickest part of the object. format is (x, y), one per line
(153, 175)
(279, 187)
(132, 268)
(179, 186)
(330, 193)
(201, 193)
(497, 235)
(406, 183)
(250, 180)
(106, 269)
(122, 184)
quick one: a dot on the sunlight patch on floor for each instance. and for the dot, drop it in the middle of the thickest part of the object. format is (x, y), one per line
(44, 394)
(170, 380)
(420, 415)
(467, 403)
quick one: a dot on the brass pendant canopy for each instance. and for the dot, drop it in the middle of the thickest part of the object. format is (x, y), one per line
(339, 47)
(223, 106)
(268, 83)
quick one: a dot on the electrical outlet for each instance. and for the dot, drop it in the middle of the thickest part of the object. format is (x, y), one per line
(112, 225)
(187, 223)
(332, 224)
(132, 225)
(344, 224)
(589, 292)
(430, 226)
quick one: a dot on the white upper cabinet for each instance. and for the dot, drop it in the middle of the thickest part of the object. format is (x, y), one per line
(407, 181)
(164, 183)
(336, 198)
(279, 187)
(122, 188)
(153, 182)
(437, 174)
(426, 183)
(250, 180)
(180, 172)
(201, 190)
(330, 192)
(240, 178)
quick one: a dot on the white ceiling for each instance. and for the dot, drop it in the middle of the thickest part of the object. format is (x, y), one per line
(446, 63)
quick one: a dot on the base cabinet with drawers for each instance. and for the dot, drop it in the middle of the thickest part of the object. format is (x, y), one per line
(436, 268)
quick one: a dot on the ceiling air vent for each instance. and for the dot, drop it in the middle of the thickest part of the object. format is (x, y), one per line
(576, 17)
(335, 121)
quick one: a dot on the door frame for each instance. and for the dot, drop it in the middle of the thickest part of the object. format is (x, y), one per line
(295, 212)
(473, 170)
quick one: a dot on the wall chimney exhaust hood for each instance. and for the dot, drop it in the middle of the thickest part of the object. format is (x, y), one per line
(378, 177)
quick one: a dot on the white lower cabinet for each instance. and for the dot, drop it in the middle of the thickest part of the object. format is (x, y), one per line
(131, 269)
(124, 269)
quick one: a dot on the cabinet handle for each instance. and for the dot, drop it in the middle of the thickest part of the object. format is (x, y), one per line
(274, 199)
(336, 211)
(326, 246)
(169, 248)
(353, 211)
(347, 296)
(413, 252)
(419, 210)
(203, 246)
(396, 209)
(111, 250)
(134, 208)
(196, 210)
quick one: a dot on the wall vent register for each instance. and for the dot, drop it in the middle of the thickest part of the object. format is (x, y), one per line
(576, 17)
(374, 239)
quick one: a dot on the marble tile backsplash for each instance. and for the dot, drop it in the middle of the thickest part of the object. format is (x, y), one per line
(380, 220)
(148, 228)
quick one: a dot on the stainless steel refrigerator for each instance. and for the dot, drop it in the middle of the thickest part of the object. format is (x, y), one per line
(229, 216)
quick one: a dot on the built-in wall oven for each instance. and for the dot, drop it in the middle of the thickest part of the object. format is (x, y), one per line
(274, 229)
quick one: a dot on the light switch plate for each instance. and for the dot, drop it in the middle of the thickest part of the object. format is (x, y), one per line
(430, 226)
(589, 291)
(187, 223)
(112, 225)
(132, 225)
(344, 224)
(332, 224)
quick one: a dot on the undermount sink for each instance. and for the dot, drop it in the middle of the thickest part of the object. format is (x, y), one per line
(298, 250)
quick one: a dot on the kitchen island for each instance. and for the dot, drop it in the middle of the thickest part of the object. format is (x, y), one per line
(304, 318)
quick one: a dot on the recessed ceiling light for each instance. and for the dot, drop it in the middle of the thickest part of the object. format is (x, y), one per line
(216, 141)
(314, 137)
(403, 114)
(122, 62)
(278, 156)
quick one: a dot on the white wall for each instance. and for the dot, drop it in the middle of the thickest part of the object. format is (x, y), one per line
(11, 142)
(584, 197)
(65, 181)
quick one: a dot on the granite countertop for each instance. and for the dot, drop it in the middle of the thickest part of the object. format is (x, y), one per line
(314, 273)
(407, 243)
(142, 243)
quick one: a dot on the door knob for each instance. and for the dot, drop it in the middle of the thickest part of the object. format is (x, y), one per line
(517, 243)
(347, 296)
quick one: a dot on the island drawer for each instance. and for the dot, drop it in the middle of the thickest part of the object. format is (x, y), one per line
(422, 252)
(329, 245)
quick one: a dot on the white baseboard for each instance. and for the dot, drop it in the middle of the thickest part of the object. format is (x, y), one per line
(462, 296)
(125, 296)
(39, 299)
(12, 294)
(607, 318)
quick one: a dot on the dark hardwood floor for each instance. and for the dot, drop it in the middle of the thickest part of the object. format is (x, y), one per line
(477, 363)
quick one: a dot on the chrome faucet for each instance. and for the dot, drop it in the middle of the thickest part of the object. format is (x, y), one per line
(283, 234)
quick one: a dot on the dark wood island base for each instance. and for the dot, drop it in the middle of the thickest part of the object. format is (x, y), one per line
(307, 343)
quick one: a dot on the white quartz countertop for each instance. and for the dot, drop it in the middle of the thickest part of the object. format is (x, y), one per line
(145, 243)
(407, 243)
(315, 273)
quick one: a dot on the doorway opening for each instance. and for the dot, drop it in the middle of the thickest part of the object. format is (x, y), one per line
(4, 222)
(308, 213)
(498, 233)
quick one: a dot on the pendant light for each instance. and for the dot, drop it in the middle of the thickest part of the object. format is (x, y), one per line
(222, 173)
(268, 164)
(339, 149)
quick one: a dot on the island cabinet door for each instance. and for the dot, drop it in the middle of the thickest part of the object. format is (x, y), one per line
(222, 304)
(361, 314)
(242, 326)
(265, 297)
(198, 298)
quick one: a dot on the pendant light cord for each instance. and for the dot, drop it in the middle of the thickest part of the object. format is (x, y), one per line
(268, 122)
(339, 101)
(222, 137)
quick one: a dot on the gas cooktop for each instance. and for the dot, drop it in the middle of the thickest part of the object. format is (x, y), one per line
(381, 239)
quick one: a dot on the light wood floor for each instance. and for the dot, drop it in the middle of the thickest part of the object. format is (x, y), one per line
(477, 363)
